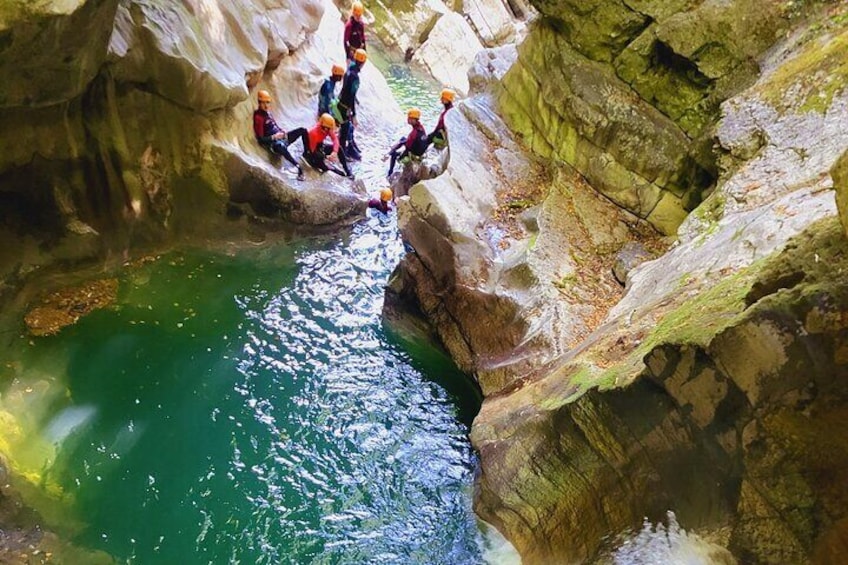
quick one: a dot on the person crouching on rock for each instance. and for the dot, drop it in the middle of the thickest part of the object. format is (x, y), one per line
(413, 144)
(271, 136)
(316, 151)
(383, 204)
(439, 136)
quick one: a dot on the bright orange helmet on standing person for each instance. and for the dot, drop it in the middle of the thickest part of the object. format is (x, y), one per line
(360, 56)
(263, 96)
(447, 95)
(414, 113)
(338, 71)
(357, 9)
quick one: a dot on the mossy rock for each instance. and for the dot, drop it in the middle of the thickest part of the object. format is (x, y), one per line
(576, 110)
(599, 29)
(839, 172)
(810, 81)
(668, 81)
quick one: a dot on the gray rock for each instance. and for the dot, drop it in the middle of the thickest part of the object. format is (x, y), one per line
(628, 258)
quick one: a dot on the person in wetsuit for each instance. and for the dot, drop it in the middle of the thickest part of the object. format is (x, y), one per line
(354, 31)
(383, 204)
(347, 105)
(439, 136)
(316, 151)
(413, 144)
(327, 101)
(271, 136)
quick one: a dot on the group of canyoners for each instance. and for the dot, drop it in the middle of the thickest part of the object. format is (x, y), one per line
(339, 112)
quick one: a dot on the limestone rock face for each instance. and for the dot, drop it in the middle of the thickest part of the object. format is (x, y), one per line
(624, 91)
(443, 36)
(198, 55)
(716, 386)
(449, 51)
(495, 261)
(60, 45)
(135, 120)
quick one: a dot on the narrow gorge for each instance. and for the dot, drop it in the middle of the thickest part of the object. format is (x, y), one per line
(632, 248)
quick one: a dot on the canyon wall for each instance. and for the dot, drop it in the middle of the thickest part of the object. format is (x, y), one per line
(713, 384)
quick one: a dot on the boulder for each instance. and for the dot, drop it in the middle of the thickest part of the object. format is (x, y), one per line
(449, 51)
(490, 66)
(628, 258)
(492, 20)
(492, 250)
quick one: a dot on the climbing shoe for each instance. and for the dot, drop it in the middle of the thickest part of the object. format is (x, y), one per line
(300, 174)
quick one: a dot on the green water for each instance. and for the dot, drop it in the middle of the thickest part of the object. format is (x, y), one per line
(250, 408)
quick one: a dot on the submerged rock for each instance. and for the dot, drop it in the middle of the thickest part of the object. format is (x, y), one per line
(64, 307)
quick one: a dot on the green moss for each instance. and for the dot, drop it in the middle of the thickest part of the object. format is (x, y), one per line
(699, 319)
(684, 280)
(566, 282)
(711, 209)
(814, 77)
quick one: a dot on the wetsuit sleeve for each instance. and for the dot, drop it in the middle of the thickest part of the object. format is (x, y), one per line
(335, 141)
(354, 88)
(347, 30)
(323, 100)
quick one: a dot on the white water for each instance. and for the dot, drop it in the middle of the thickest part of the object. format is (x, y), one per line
(666, 544)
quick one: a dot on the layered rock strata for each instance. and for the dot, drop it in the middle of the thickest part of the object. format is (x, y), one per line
(626, 92)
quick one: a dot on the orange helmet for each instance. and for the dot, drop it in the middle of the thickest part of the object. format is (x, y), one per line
(414, 113)
(327, 121)
(360, 56)
(357, 9)
(338, 70)
(447, 95)
(263, 96)
(386, 194)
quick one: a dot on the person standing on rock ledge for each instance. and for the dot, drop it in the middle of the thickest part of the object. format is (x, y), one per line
(327, 101)
(414, 144)
(271, 136)
(316, 151)
(347, 104)
(439, 136)
(354, 31)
